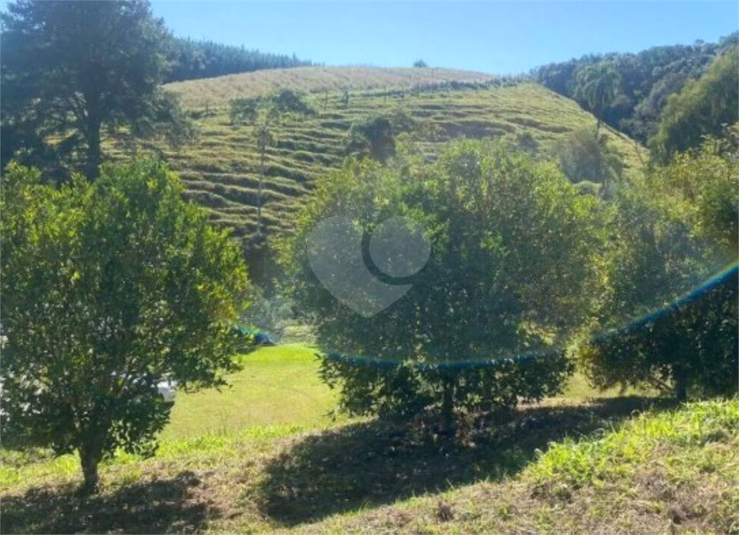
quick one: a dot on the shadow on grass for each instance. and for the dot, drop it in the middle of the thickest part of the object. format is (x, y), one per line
(372, 464)
(152, 507)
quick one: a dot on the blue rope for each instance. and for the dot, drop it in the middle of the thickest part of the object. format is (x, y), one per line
(529, 356)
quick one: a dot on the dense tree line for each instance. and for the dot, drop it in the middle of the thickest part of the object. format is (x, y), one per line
(193, 59)
(646, 80)
(704, 107)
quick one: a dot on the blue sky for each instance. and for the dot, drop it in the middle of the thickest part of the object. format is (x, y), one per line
(491, 36)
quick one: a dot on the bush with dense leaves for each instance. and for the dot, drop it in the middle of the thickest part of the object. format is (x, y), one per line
(674, 230)
(511, 271)
(108, 289)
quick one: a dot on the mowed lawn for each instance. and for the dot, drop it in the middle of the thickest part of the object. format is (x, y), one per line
(280, 386)
(277, 386)
(262, 456)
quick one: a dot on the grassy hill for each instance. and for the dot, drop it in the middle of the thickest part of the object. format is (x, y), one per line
(262, 457)
(220, 90)
(221, 170)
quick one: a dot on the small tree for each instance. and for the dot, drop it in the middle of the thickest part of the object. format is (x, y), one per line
(76, 70)
(373, 136)
(512, 259)
(107, 290)
(584, 155)
(597, 85)
(263, 114)
(419, 63)
(345, 99)
(675, 230)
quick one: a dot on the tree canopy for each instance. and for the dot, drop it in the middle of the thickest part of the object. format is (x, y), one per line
(108, 289)
(76, 70)
(194, 59)
(703, 107)
(676, 229)
(513, 249)
(598, 85)
(648, 78)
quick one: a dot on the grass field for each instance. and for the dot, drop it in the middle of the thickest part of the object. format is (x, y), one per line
(278, 386)
(219, 91)
(263, 457)
(220, 171)
(577, 467)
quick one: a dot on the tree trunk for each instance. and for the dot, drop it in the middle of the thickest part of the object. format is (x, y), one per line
(263, 149)
(447, 404)
(90, 455)
(93, 150)
(681, 383)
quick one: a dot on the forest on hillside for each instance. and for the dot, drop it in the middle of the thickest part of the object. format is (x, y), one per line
(646, 80)
(192, 59)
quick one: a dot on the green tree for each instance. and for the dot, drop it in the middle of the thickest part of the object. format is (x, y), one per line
(675, 229)
(263, 114)
(704, 107)
(77, 70)
(374, 136)
(420, 64)
(585, 156)
(598, 85)
(108, 289)
(512, 258)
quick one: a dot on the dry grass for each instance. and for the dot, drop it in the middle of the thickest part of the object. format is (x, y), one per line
(219, 91)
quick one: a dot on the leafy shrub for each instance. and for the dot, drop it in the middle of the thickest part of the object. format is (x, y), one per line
(512, 260)
(675, 229)
(108, 289)
(585, 155)
(691, 349)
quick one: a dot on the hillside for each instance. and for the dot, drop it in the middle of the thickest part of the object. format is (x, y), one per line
(220, 90)
(221, 170)
(646, 80)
